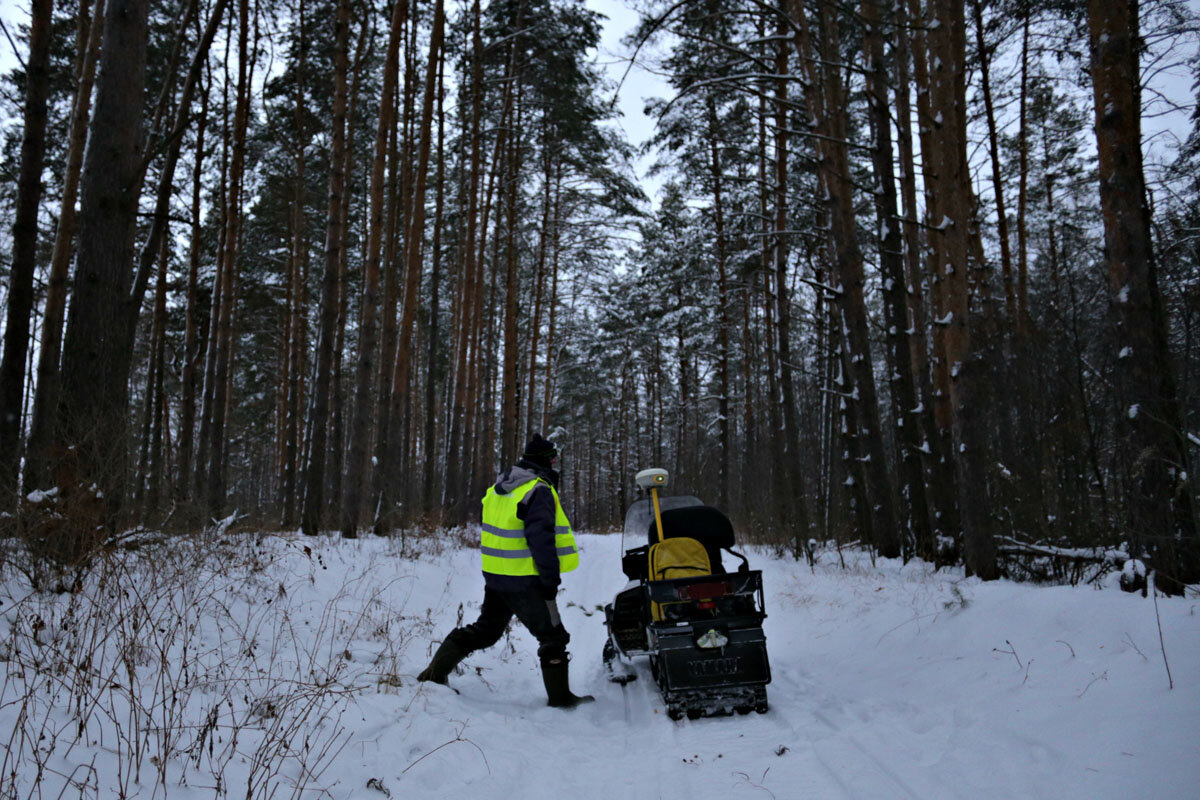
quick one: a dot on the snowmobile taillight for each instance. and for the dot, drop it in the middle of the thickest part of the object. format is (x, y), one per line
(704, 591)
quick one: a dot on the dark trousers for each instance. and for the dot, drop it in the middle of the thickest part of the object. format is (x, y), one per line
(539, 615)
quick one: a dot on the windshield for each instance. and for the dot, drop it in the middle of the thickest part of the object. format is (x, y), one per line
(640, 515)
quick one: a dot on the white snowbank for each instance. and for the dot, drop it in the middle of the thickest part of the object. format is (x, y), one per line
(890, 681)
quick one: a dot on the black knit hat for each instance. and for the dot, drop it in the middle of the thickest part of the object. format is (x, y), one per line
(540, 451)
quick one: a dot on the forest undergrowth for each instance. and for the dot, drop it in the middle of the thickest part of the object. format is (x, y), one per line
(181, 663)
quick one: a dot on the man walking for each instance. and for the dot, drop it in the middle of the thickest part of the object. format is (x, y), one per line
(526, 544)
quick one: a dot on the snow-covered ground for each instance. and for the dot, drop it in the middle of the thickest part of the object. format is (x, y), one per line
(283, 666)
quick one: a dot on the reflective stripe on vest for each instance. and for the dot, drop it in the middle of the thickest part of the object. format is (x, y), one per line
(503, 547)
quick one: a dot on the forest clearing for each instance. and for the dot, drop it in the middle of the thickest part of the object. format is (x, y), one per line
(908, 292)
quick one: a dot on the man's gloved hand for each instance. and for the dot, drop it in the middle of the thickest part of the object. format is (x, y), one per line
(548, 592)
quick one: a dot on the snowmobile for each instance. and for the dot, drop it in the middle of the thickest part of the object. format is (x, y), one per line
(700, 625)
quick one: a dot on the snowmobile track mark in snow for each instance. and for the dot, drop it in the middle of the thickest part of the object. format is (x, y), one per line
(828, 751)
(863, 753)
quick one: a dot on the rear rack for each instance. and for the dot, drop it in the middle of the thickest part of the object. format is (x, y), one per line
(700, 597)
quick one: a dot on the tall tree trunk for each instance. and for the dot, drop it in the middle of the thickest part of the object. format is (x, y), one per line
(835, 172)
(934, 378)
(1006, 267)
(723, 443)
(296, 314)
(413, 247)
(477, 430)
(334, 393)
(939, 491)
(952, 191)
(902, 383)
(555, 250)
(48, 379)
(157, 398)
(24, 263)
(191, 345)
(95, 399)
(386, 402)
(360, 422)
(776, 499)
(1023, 186)
(512, 357)
(535, 320)
(138, 494)
(433, 378)
(210, 353)
(455, 490)
(791, 424)
(223, 340)
(1161, 520)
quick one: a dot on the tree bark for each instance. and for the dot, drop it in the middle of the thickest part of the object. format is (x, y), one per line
(555, 250)
(46, 394)
(24, 263)
(835, 173)
(535, 320)
(455, 490)
(413, 246)
(793, 475)
(939, 484)
(1022, 299)
(360, 422)
(902, 383)
(1006, 267)
(157, 398)
(512, 356)
(934, 377)
(95, 396)
(335, 396)
(723, 443)
(191, 345)
(952, 193)
(296, 314)
(1161, 520)
(433, 377)
(223, 341)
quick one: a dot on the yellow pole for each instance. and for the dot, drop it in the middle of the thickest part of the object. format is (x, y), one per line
(657, 511)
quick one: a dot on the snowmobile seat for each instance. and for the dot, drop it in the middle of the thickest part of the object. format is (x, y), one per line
(705, 524)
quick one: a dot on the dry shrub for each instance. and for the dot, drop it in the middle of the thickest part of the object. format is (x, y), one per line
(63, 528)
(191, 661)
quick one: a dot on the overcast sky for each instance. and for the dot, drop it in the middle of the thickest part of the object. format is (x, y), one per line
(638, 84)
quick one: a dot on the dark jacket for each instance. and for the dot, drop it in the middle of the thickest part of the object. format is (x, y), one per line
(536, 510)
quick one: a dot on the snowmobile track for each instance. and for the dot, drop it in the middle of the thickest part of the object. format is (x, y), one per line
(827, 749)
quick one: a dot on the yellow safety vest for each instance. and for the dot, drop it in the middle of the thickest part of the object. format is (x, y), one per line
(504, 548)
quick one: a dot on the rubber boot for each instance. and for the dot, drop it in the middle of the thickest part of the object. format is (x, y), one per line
(555, 674)
(444, 661)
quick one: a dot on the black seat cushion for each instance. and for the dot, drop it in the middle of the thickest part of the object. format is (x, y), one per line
(705, 524)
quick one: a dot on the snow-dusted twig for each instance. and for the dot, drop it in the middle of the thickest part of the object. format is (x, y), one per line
(759, 785)
(1161, 642)
(458, 737)
(1103, 676)
(1012, 651)
(1129, 641)
(906, 622)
